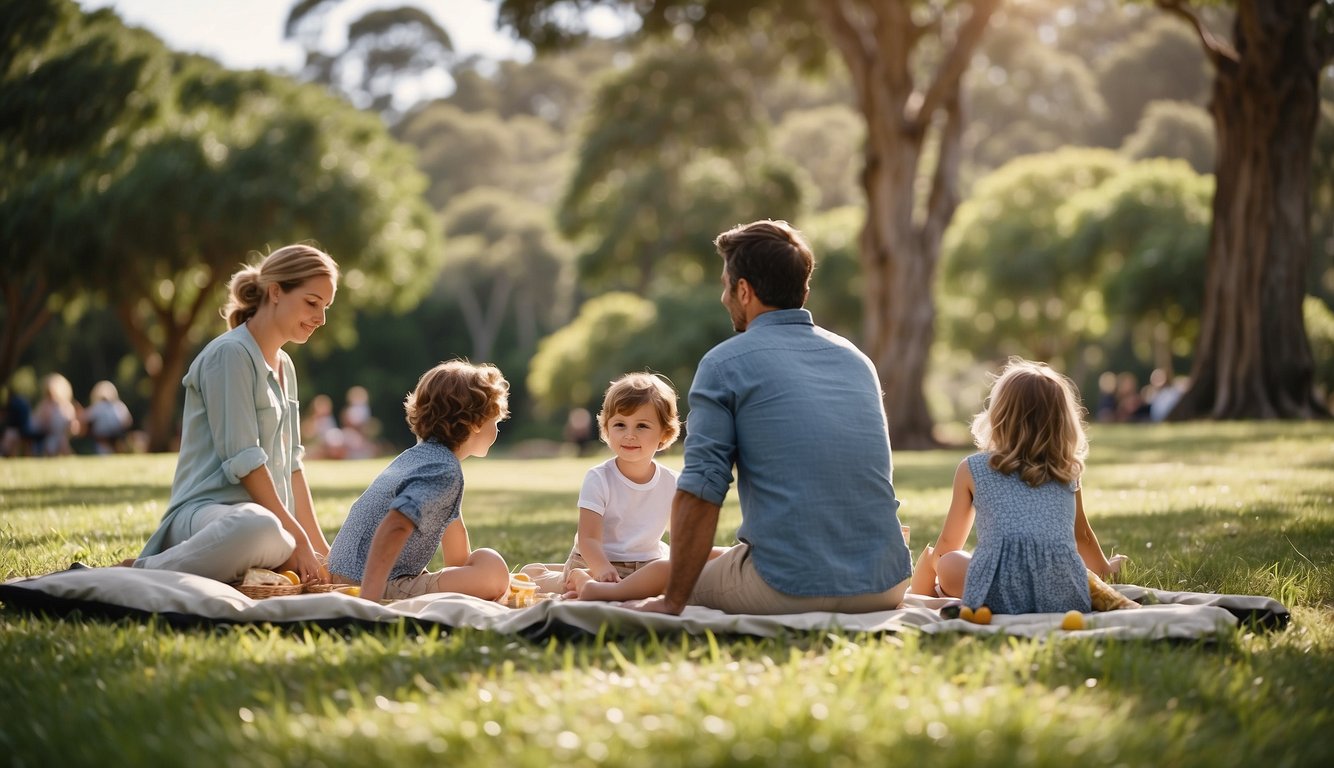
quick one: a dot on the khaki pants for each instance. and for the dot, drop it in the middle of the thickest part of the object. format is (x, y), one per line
(731, 584)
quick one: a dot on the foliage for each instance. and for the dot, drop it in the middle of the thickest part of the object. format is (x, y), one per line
(1162, 61)
(1237, 508)
(71, 88)
(673, 154)
(1077, 257)
(459, 151)
(506, 261)
(1174, 129)
(387, 50)
(1320, 329)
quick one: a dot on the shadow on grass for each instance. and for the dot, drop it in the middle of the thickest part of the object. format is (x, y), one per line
(78, 495)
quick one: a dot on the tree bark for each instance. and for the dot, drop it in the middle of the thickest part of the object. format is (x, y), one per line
(1253, 359)
(900, 241)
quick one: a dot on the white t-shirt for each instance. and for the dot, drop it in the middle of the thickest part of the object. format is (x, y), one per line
(634, 515)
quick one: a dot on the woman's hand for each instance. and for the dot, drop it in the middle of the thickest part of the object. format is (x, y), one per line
(307, 565)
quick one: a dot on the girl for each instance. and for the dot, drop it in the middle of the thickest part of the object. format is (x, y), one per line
(416, 504)
(57, 416)
(239, 498)
(1033, 539)
(625, 504)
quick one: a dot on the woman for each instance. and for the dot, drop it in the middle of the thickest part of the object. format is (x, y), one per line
(239, 499)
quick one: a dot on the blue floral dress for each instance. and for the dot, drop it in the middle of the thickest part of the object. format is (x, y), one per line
(1026, 560)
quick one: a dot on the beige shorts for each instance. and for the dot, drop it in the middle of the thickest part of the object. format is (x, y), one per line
(731, 584)
(423, 583)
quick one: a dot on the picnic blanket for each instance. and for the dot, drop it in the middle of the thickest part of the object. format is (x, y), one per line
(185, 599)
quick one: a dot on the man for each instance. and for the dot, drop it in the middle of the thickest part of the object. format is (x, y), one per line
(797, 410)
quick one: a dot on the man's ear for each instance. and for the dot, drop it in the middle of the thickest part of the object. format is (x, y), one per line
(744, 292)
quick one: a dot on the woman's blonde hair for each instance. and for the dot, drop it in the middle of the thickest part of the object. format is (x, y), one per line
(629, 392)
(1033, 424)
(288, 267)
(454, 399)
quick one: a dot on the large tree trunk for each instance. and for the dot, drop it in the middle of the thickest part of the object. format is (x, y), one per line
(1253, 358)
(900, 242)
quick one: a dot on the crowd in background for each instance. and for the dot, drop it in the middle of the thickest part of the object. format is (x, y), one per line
(1122, 399)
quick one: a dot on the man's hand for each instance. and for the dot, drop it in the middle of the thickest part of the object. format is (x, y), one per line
(654, 605)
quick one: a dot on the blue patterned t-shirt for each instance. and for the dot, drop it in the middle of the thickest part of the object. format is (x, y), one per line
(425, 484)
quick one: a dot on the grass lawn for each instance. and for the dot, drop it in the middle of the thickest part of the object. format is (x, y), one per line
(1241, 508)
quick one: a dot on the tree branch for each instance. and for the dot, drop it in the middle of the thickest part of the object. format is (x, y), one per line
(1219, 51)
(850, 41)
(946, 84)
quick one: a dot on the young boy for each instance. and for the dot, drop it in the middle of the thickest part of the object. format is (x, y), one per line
(392, 531)
(626, 501)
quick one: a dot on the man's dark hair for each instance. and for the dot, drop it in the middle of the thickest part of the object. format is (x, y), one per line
(773, 257)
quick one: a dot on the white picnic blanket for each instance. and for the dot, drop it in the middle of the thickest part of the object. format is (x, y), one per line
(187, 599)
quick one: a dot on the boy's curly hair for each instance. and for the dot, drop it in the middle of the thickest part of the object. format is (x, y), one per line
(629, 392)
(454, 399)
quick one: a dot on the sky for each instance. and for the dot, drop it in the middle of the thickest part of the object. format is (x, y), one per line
(245, 34)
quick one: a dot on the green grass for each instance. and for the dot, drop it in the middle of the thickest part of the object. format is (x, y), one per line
(1243, 508)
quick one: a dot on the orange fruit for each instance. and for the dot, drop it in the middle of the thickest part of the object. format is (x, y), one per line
(354, 591)
(292, 577)
(982, 615)
(965, 613)
(521, 577)
(1072, 620)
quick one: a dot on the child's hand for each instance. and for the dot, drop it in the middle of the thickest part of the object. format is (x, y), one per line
(1114, 565)
(609, 576)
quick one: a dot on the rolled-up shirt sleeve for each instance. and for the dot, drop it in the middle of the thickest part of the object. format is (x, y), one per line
(710, 437)
(226, 385)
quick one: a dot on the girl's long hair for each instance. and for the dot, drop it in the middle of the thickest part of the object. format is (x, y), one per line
(1033, 424)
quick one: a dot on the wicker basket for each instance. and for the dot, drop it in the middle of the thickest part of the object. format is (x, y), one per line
(261, 591)
(322, 588)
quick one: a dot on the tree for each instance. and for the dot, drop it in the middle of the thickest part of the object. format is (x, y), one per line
(906, 60)
(506, 262)
(1253, 358)
(70, 85)
(246, 162)
(387, 50)
(1078, 257)
(1173, 129)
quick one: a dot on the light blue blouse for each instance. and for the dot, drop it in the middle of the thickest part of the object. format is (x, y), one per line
(238, 416)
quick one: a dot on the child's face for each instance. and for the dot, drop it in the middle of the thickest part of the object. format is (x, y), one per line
(635, 436)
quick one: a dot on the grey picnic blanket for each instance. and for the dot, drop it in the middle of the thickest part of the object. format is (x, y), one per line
(185, 599)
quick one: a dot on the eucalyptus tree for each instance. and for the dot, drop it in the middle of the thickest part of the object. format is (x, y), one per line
(1253, 358)
(905, 60)
(387, 49)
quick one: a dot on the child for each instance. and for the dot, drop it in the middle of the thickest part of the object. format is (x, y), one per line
(1033, 539)
(392, 531)
(626, 502)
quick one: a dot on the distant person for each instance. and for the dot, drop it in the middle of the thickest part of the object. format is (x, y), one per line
(108, 419)
(1130, 405)
(796, 411)
(1034, 544)
(579, 430)
(240, 499)
(320, 432)
(1107, 410)
(57, 416)
(358, 427)
(20, 436)
(415, 506)
(1168, 392)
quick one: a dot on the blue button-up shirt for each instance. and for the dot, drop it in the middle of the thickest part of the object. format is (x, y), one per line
(797, 410)
(238, 416)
